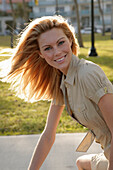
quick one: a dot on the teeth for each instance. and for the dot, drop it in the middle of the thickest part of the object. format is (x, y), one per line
(60, 59)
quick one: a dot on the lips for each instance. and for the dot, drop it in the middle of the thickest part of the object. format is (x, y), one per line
(60, 59)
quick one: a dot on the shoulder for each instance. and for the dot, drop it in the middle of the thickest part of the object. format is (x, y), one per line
(88, 69)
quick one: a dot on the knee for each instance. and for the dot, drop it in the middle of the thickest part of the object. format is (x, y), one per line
(78, 163)
(83, 162)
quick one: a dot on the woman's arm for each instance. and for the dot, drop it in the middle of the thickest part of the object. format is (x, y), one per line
(47, 138)
(106, 107)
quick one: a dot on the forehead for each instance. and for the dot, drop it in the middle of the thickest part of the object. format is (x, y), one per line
(51, 35)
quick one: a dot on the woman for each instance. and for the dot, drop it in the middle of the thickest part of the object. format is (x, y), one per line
(45, 66)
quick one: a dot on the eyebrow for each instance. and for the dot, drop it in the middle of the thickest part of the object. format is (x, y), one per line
(57, 42)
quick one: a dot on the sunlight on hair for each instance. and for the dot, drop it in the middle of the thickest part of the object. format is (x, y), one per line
(31, 76)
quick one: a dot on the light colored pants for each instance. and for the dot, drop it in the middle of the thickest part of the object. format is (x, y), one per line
(99, 162)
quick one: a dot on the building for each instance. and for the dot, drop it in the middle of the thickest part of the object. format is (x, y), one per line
(85, 13)
(6, 18)
(65, 8)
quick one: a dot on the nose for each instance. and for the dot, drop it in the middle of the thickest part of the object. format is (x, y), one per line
(57, 51)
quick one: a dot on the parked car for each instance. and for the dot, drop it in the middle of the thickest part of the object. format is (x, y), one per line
(108, 29)
(98, 30)
(87, 30)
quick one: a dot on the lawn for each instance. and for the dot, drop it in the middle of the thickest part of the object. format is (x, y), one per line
(19, 117)
(104, 49)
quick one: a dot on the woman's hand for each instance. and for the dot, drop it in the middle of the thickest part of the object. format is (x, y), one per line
(47, 138)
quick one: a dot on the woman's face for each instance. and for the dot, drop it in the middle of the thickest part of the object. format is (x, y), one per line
(55, 48)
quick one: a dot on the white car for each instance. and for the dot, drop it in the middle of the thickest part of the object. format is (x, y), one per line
(87, 30)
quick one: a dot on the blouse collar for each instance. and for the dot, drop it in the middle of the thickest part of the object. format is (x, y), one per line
(69, 78)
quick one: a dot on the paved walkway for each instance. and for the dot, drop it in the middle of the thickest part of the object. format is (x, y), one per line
(16, 151)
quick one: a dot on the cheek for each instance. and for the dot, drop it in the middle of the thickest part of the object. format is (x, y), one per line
(48, 57)
(49, 60)
(44, 55)
(68, 48)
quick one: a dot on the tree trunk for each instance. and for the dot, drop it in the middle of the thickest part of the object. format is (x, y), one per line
(25, 11)
(13, 14)
(14, 22)
(78, 25)
(102, 15)
(112, 21)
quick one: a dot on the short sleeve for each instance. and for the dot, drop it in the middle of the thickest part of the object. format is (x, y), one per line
(95, 84)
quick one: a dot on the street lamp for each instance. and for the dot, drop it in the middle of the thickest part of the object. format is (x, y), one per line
(92, 52)
(56, 7)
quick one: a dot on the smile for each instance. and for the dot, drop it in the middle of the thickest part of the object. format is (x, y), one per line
(60, 59)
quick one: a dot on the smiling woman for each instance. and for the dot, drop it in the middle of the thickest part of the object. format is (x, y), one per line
(31, 63)
(56, 50)
(45, 66)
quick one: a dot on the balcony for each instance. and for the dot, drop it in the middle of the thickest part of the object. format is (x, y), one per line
(106, 11)
(83, 2)
(107, 22)
(51, 3)
(85, 12)
(89, 1)
(40, 14)
(96, 12)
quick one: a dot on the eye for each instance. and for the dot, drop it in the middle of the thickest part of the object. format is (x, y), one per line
(61, 42)
(48, 48)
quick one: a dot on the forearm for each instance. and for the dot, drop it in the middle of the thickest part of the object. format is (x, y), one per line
(42, 149)
(111, 156)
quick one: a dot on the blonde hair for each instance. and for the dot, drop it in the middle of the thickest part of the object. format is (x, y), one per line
(32, 75)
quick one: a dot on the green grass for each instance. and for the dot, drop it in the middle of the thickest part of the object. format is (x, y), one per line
(19, 117)
(104, 48)
(5, 41)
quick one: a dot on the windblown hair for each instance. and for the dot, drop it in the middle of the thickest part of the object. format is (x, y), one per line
(32, 75)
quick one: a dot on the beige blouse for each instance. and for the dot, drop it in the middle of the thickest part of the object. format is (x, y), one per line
(86, 83)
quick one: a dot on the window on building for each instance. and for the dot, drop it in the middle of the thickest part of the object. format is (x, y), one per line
(97, 19)
(85, 22)
(61, 9)
(84, 7)
(96, 6)
(50, 0)
(42, 10)
(108, 7)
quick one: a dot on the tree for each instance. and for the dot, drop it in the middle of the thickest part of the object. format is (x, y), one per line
(25, 10)
(102, 15)
(13, 14)
(14, 22)
(78, 24)
(112, 21)
(21, 12)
